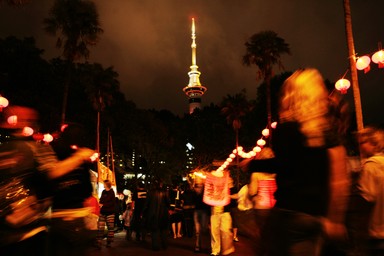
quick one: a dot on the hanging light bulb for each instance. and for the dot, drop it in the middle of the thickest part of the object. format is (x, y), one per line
(343, 85)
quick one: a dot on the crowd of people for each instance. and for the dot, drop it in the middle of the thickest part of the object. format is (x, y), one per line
(300, 194)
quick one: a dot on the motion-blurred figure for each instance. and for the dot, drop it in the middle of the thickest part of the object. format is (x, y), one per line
(200, 216)
(371, 188)
(310, 162)
(156, 216)
(69, 234)
(27, 168)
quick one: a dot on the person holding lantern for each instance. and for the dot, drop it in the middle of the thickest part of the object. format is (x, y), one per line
(311, 175)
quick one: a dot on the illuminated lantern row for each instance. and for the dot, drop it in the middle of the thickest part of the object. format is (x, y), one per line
(239, 150)
(362, 63)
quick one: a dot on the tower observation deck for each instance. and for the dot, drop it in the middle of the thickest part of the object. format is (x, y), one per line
(194, 90)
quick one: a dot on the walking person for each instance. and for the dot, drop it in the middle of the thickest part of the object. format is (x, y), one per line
(217, 194)
(139, 199)
(200, 216)
(69, 234)
(156, 217)
(370, 233)
(176, 212)
(107, 214)
(311, 175)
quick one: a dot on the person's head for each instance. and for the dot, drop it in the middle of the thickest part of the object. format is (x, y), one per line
(304, 99)
(107, 184)
(371, 141)
(71, 138)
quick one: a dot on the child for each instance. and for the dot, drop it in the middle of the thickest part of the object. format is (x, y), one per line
(127, 217)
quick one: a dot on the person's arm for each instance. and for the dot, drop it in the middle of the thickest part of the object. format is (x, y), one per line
(339, 193)
(48, 162)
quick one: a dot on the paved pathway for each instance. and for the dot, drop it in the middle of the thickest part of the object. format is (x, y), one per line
(180, 247)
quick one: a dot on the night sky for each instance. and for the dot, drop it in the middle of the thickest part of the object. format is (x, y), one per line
(148, 42)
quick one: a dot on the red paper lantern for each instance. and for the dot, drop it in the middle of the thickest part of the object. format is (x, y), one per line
(378, 58)
(3, 102)
(362, 63)
(343, 85)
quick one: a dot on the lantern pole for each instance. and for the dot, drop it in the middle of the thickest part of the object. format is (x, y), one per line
(352, 64)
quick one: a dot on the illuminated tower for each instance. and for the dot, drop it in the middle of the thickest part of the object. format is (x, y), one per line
(194, 90)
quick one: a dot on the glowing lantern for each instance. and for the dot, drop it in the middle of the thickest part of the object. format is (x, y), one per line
(27, 131)
(273, 125)
(378, 58)
(362, 63)
(48, 138)
(229, 159)
(63, 126)
(74, 147)
(342, 85)
(232, 155)
(261, 142)
(257, 149)
(3, 102)
(12, 120)
(265, 132)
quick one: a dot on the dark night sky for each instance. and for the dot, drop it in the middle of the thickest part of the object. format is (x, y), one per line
(148, 44)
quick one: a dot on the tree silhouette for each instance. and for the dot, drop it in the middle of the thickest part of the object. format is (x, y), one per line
(75, 23)
(264, 50)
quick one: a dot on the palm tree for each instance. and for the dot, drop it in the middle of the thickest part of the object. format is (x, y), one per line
(234, 108)
(76, 25)
(352, 64)
(101, 85)
(264, 50)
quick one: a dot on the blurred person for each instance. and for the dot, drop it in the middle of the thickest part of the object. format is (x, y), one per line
(27, 168)
(156, 216)
(127, 218)
(371, 188)
(139, 198)
(120, 208)
(107, 203)
(217, 194)
(200, 216)
(69, 234)
(310, 163)
(188, 199)
(176, 214)
(261, 189)
(233, 209)
(92, 219)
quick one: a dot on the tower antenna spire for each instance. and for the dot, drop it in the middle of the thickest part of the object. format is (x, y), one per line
(194, 90)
